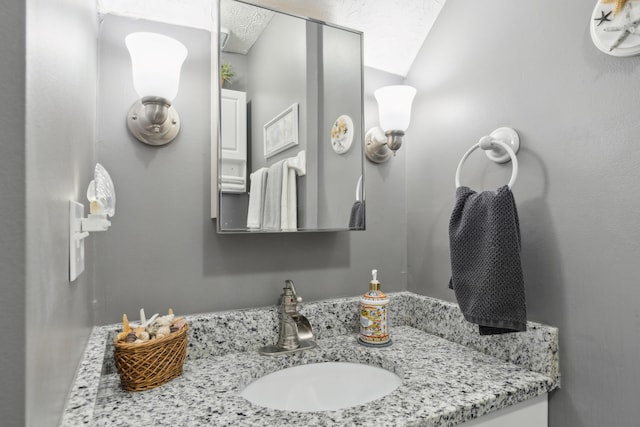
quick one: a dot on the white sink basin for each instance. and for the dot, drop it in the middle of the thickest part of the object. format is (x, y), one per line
(321, 387)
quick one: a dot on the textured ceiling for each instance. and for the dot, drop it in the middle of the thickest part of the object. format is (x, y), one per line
(394, 30)
(245, 24)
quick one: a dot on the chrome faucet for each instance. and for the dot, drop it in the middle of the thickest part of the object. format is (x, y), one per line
(296, 333)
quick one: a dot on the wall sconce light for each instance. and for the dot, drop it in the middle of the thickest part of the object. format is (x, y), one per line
(156, 61)
(394, 111)
(101, 195)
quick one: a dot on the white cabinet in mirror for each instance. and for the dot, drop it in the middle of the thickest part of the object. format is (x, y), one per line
(233, 141)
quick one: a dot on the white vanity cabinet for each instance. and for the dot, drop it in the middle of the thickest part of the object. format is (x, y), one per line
(530, 413)
(233, 115)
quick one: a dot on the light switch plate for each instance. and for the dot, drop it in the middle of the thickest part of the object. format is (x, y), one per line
(76, 247)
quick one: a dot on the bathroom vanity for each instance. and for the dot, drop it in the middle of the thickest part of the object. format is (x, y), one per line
(450, 375)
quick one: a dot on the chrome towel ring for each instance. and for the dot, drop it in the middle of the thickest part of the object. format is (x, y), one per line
(501, 146)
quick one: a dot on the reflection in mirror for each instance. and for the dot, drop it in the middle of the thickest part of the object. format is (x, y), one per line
(290, 155)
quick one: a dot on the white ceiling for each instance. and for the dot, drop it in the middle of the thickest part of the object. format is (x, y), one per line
(244, 22)
(394, 30)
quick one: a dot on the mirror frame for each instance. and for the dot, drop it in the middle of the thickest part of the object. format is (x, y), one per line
(216, 120)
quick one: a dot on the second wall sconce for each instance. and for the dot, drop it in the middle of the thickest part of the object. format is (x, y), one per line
(394, 111)
(156, 61)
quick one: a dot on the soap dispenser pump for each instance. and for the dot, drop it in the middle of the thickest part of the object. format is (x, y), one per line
(374, 330)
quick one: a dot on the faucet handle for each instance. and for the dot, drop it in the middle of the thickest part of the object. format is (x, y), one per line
(288, 284)
(289, 298)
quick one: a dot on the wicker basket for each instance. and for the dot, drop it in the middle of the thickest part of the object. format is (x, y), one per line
(143, 366)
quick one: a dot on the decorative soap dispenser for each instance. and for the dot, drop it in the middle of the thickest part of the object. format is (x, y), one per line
(374, 329)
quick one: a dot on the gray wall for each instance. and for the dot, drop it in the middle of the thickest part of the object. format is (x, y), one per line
(60, 135)
(278, 77)
(532, 66)
(12, 211)
(162, 249)
(341, 83)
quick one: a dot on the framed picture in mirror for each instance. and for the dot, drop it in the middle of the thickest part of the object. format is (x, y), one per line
(281, 133)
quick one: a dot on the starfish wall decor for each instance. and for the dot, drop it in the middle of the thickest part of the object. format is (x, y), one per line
(603, 17)
(614, 33)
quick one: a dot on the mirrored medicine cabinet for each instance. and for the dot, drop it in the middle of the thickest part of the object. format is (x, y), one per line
(290, 134)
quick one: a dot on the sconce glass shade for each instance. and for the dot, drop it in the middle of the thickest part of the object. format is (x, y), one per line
(394, 106)
(394, 111)
(156, 61)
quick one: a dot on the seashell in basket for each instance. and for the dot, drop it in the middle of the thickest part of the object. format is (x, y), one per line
(163, 331)
(179, 322)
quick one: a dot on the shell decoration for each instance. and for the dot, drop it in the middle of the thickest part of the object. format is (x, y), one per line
(618, 7)
(155, 328)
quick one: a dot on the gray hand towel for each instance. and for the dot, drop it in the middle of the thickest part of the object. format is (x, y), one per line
(273, 198)
(486, 274)
(356, 219)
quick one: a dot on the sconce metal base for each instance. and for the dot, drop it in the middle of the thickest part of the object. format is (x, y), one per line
(380, 146)
(153, 121)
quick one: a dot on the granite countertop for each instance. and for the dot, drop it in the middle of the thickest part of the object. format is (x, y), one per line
(445, 381)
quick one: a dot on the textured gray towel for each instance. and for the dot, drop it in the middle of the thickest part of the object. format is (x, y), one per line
(356, 219)
(486, 274)
(273, 198)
